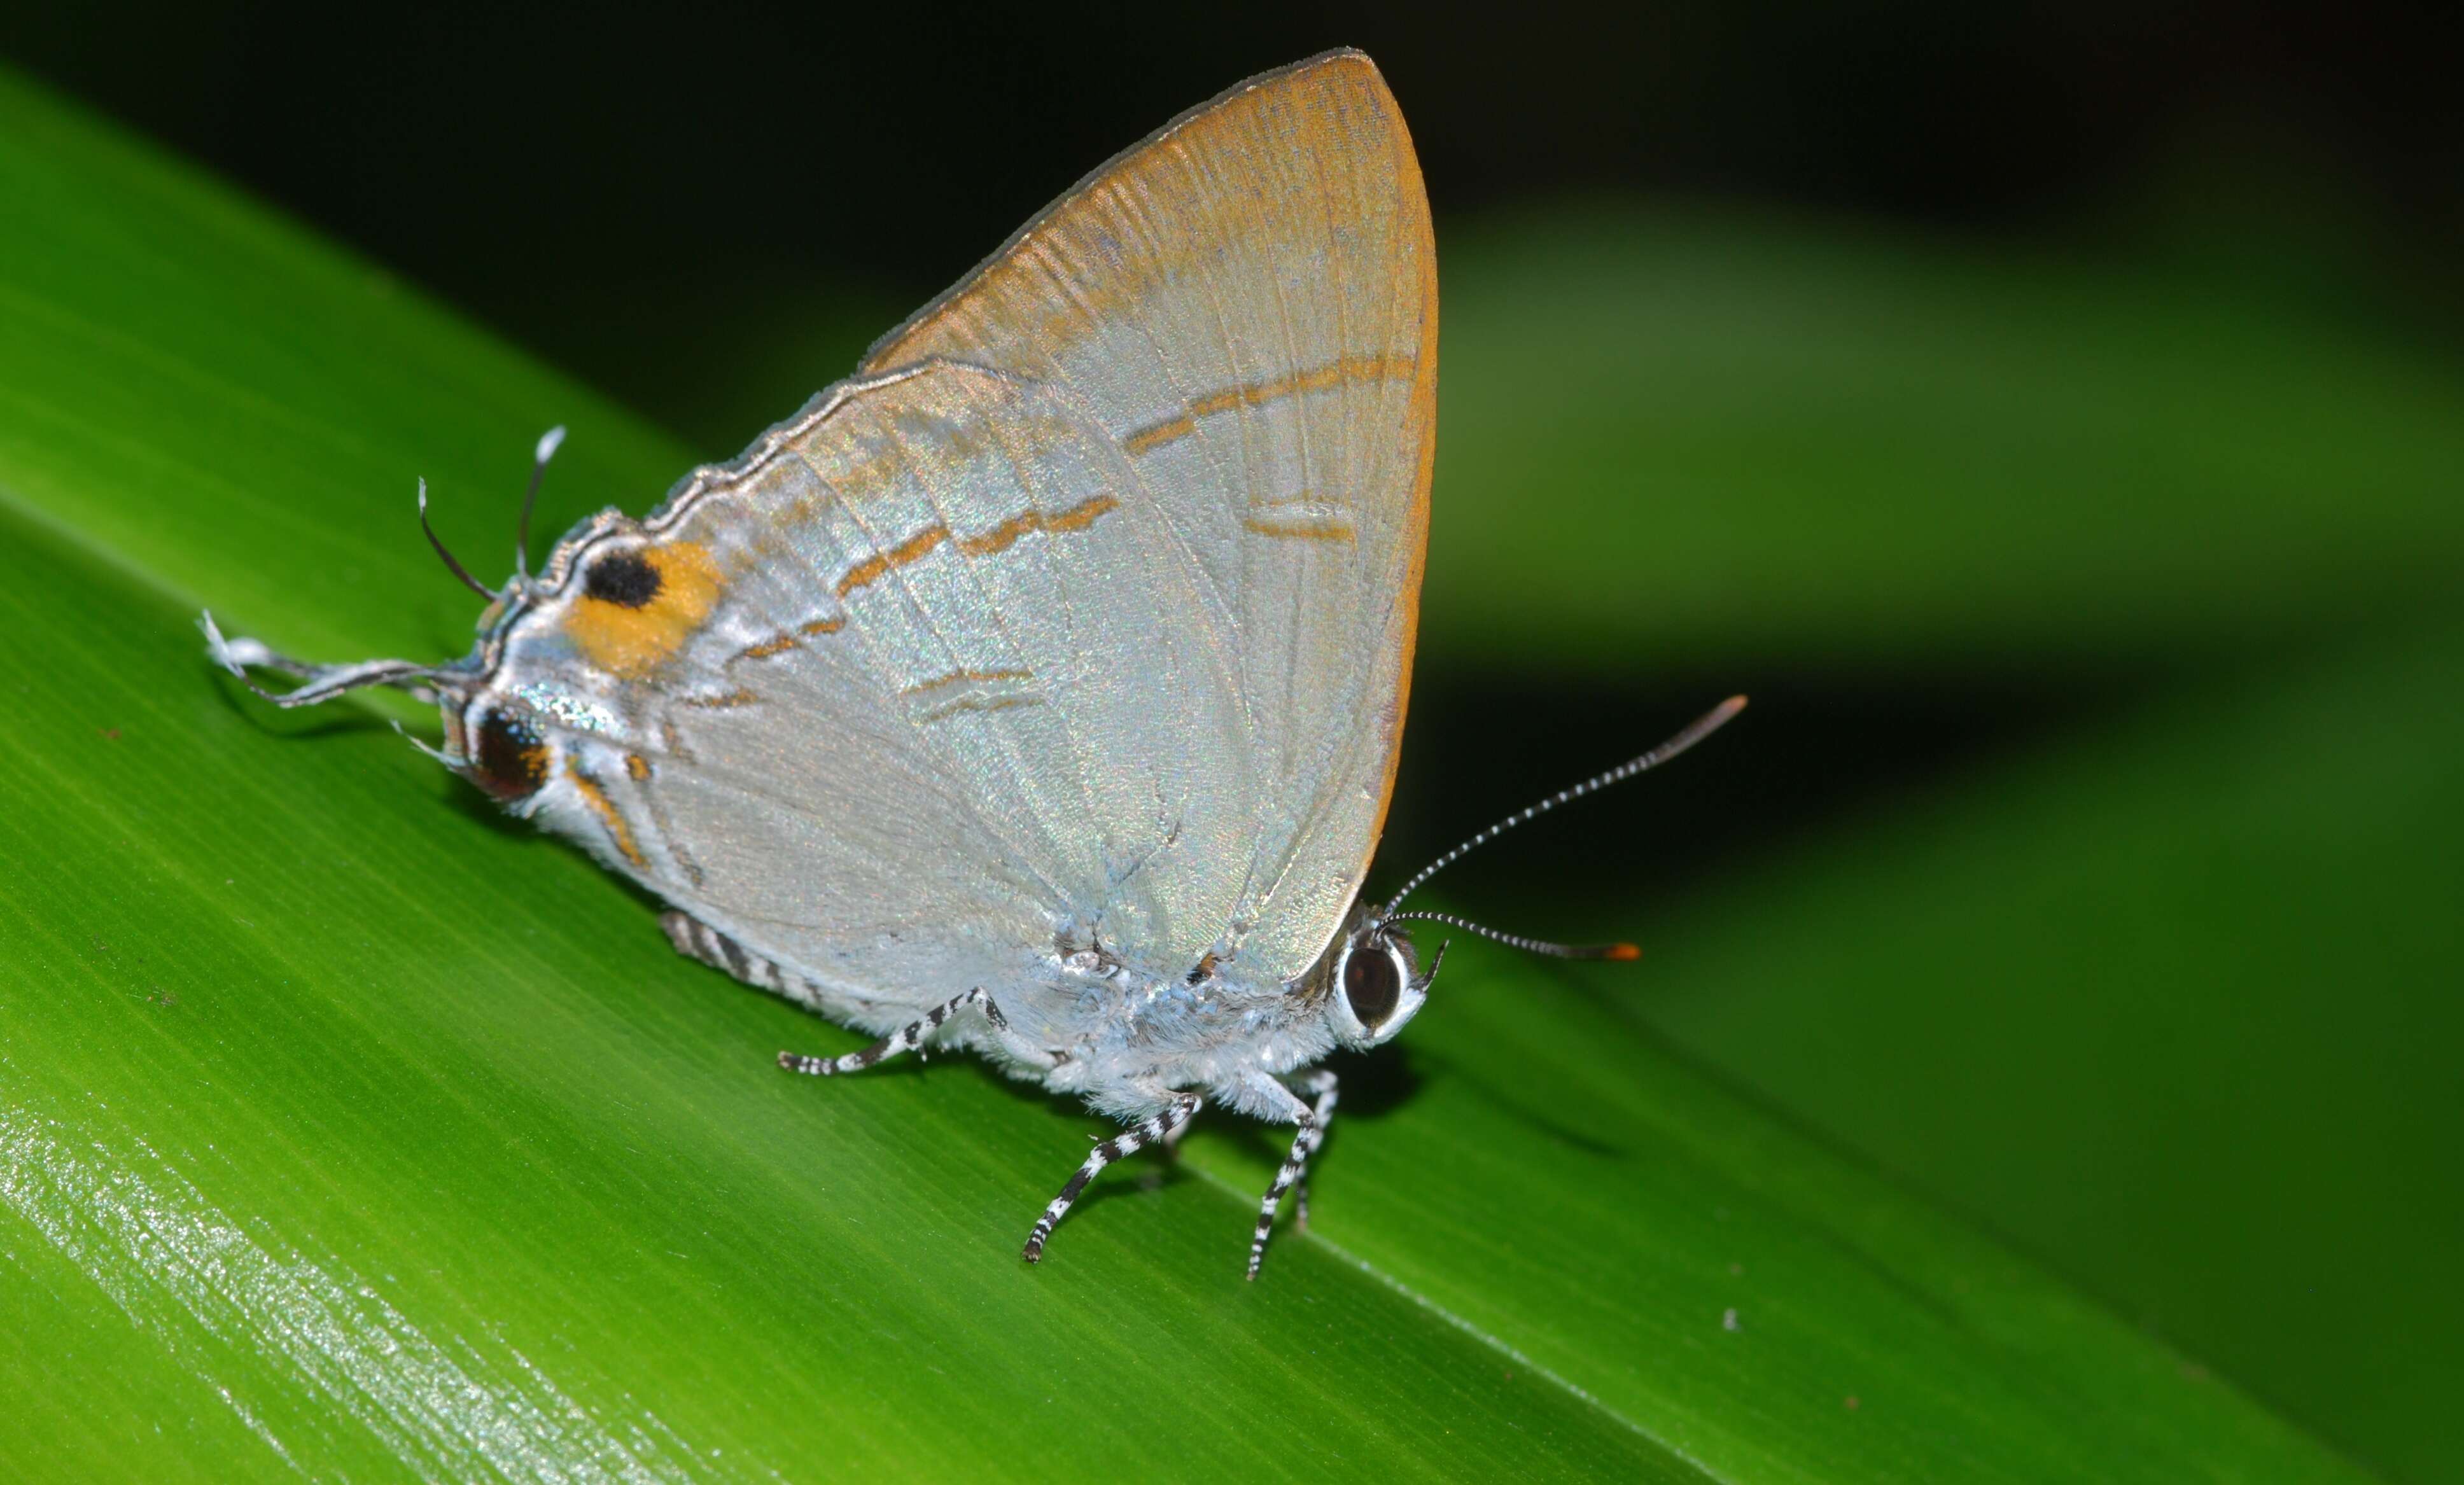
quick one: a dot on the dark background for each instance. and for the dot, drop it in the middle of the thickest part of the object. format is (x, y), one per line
(707, 213)
(591, 184)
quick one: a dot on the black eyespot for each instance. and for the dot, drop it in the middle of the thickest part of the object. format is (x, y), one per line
(509, 762)
(1373, 984)
(624, 578)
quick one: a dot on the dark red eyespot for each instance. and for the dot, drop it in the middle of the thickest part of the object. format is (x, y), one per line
(1373, 984)
(509, 762)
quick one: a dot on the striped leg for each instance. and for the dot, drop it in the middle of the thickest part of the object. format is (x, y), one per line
(1295, 1170)
(1139, 1136)
(1321, 1081)
(695, 939)
(904, 1039)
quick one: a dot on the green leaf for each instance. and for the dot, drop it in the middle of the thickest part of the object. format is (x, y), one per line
(346, 1124)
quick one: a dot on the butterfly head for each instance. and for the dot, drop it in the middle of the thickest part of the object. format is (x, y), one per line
(631, 601)
(1375, 982)
(1372, 982)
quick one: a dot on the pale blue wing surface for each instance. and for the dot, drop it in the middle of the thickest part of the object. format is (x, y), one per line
(1083, 621)
(911, 746)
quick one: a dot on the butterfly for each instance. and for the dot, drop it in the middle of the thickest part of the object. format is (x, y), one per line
(1037, 689)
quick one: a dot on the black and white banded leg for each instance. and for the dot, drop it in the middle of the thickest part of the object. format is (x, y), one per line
(1322, 1082)
(1159, 1125)
(697, 940)
(1312, 1120)
(907, 1038)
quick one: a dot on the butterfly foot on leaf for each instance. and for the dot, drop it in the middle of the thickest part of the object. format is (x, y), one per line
(909, 1038)
(1155, 1127)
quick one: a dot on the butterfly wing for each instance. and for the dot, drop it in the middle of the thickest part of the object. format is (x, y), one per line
(1247, 305)
(1082, 618)
(911, 743)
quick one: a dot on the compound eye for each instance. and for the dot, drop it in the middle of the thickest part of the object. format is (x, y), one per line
(1373, 982)
(510, 761)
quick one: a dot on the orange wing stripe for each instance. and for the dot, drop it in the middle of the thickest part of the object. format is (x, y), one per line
(1257, 394)
(957, 677)
(910, 551)
(1007, 534)
(606, 809)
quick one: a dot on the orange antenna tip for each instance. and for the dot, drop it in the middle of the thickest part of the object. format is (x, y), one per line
(1623, 952)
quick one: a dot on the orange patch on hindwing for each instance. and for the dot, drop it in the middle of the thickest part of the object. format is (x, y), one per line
(638, 606)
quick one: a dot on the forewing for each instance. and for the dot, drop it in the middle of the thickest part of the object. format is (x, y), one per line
(1246, 307)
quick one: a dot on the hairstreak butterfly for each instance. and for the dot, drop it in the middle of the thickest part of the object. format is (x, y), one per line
(1037, 689)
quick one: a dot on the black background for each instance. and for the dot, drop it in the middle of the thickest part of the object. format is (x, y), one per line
(560, 174)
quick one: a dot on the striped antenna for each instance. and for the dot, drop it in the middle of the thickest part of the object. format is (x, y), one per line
(1702, 727)
(1538, 946)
